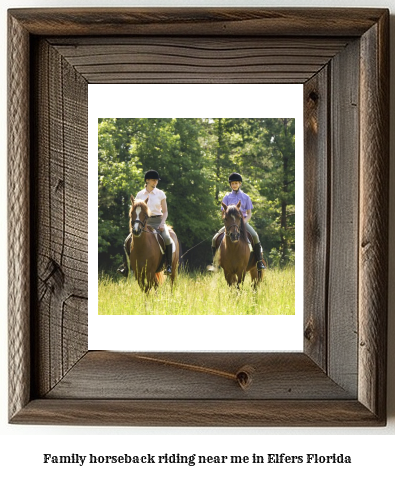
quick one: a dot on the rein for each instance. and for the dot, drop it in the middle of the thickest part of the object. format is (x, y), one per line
(143, 223)
(150, 232)
(137, 221)
(227, 231)
(193, 248)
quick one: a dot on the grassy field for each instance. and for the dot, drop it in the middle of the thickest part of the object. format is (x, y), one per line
(200, 294)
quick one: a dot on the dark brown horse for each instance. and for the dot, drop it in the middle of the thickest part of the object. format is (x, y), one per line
(235, 256)
(145, 254)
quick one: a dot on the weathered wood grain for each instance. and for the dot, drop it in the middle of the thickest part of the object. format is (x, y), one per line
(163, 59)
(373, 227)
(61, 198)
(260, 22)
(343, 223)
(196, 376)
(316, 214)
(18, 218)
(202, 413)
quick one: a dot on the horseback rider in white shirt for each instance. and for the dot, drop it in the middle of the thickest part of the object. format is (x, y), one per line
(158, 207)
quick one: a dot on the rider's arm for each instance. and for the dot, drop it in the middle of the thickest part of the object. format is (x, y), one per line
(248, 217)
(165, 213)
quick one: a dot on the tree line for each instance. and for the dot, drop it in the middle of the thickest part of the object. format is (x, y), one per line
(194, 157)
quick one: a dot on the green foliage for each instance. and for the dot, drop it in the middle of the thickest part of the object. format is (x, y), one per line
(115, 175)
(194, 158)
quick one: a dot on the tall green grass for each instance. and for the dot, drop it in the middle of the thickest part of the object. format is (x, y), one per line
(200, 294)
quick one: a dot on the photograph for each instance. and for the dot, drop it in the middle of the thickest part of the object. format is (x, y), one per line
(196, 216)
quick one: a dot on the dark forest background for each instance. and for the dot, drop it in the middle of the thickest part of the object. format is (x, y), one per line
(194, 158)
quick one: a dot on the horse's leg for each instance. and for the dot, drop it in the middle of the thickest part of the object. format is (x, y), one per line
(174, 271)
(231, 278)
(254, 277)
(138, 265)
(151, 281)
(155, 281)
(174, 267)
(243, 254)
(240, 280)
(145, 277)
(174, 262)
(241, 276)
(142, 280)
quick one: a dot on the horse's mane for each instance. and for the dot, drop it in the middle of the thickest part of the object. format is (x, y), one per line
(233, 210)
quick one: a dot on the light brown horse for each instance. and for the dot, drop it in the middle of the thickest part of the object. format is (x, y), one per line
(146, 257)
(235, 256)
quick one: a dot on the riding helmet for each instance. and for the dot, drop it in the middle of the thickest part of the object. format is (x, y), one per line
(235, 177)
(151, 174)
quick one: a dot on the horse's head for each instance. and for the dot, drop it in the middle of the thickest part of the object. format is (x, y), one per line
(233, 221)
(139, 213)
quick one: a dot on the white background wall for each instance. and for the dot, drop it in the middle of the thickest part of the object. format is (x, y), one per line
(22, 447)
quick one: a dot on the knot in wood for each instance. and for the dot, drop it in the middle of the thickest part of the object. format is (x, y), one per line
(309, 331)
(244, 376)
(313, 96)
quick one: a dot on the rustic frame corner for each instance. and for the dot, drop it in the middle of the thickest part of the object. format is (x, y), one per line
(342, 58)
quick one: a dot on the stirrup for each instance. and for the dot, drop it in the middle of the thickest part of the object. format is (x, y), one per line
(260, 266)
(123, 270)
(167, 271)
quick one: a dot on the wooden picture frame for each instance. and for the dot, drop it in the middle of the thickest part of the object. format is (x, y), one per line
(342, 58)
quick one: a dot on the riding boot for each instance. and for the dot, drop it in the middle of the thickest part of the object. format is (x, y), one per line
(123, 269)
(258, 257)
(169, 257)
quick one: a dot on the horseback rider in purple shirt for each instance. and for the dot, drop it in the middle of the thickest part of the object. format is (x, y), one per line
(232, 198)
